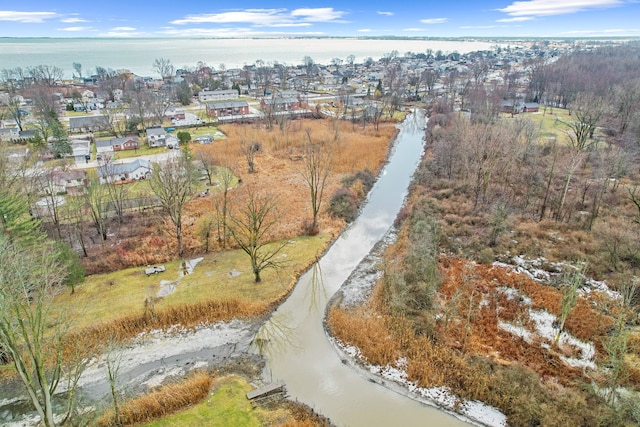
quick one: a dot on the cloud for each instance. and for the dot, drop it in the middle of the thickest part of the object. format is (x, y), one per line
(267, 17)
(413, 29)
(485, 27)
(365, 30)
(385, 13)
(555, 7)
(73, 20)
(74, 29)
(26, 17)
(434, 21)
(321, 14)
(517, 19)
(123, 29)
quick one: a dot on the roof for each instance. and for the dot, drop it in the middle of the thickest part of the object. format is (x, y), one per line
(80, 122)
(227, 104)
(280, 100)
(123, 168)
(156, 131)
(120, 141)
(218, 92)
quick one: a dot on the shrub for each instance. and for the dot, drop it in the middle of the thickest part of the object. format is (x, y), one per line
(343, 205)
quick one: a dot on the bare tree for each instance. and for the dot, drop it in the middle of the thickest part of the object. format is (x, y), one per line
(31, 332)
(250, 149)
(588, 110)
(77, 67)
(173, 184)
(96, 200)
(226, 179)
(250, 229)
(47, 75)
(315, 170)
(164, 67)
(116, 192)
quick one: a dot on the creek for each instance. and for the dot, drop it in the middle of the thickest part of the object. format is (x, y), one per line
(294, 340)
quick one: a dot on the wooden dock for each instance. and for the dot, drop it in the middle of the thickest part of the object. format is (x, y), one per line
(267, 394)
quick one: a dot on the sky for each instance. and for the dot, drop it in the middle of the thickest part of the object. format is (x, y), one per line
(292, 18)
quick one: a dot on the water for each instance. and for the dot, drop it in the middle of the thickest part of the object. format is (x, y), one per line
(294, 341)
(137, 55)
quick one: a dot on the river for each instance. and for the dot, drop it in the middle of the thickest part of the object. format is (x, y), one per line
(294, 341)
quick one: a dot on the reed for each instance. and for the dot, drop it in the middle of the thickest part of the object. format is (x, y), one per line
(93, 338)
(161, 402)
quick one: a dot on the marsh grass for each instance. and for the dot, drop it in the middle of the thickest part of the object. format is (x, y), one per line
(161, 402)
(467, 352)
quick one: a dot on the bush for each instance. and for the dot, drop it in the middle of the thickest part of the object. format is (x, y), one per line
(343, 205)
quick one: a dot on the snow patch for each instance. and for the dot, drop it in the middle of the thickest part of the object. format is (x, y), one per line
(442, 396)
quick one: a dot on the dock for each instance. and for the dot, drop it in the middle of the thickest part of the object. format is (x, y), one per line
(267, 394)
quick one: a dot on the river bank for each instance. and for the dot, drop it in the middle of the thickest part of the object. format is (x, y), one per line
(354, 292)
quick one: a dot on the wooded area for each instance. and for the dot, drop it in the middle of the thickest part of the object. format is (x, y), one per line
(490, 289)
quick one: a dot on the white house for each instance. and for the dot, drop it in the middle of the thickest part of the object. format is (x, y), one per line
(156, 137)
(138, 169)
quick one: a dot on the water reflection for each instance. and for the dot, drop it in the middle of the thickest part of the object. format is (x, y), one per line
(275, 335)
(301, 356)
(318, 293)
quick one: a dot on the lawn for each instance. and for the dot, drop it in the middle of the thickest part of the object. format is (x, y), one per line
(217, 277)
(227, 406)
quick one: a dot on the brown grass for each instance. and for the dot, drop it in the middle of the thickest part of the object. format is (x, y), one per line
(166, 400)
(92, 339)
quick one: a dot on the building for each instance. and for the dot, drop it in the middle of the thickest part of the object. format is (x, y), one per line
(279, 103)
(81, 150)
(227, 108)
(156, 137)
(88, 124)
(69, 182)
(217, 95)
(138, 169)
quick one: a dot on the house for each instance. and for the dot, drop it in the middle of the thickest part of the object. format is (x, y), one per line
(26, 135)
(81, 150)
(103, 147)
(278, 102)
(138, 169)
(227, 108)
(177, 114)
(88, 123)
(117, 144)
(156, 137)
(217, 95)
(531, 107)
(70, 182)
(9, 134)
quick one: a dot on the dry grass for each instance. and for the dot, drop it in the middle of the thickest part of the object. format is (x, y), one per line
(166, 400)
(467, 351)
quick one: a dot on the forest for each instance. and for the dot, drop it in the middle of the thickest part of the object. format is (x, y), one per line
(514, 277)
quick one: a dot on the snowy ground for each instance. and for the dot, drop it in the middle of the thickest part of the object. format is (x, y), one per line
(152, 358)
(357, 289)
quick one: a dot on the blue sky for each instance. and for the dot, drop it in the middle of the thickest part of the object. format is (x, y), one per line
(207, 18)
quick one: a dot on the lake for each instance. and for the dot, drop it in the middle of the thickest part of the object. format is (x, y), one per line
(137, 55)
